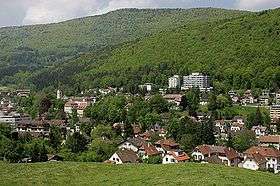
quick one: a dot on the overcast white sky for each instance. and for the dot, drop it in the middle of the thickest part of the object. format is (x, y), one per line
(22, 12)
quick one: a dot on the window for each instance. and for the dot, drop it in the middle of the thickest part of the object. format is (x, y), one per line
(273, 159)
(114, 159)
(173, 160)
(118, 160)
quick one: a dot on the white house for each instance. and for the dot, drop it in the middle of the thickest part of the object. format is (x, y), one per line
(259, 130)
(132, 144)
(271, 155)
(271, 140)
(124, 156)
(227, 156)
(175, 157)
(254, 162)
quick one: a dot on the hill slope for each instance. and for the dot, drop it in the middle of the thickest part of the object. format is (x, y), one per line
(102, 174)
(239, 53)
(50, 42)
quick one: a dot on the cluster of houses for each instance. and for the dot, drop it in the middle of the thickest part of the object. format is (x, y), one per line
(135, 150)
(265, 99)
(265, 156)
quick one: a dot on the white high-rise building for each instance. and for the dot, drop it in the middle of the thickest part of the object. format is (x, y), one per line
(58, 94)
(174, 82)
(196, 80)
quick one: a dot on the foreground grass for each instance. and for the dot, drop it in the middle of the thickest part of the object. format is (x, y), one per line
(103, 174)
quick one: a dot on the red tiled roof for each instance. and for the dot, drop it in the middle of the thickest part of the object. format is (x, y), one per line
(264, 151)
(208, 149)
(270, 139)
(150, 149)
(181, 157)
(258, 158)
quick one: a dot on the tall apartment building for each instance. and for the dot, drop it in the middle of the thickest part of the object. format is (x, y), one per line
(275, 112)
(196, 80)
(174, 82)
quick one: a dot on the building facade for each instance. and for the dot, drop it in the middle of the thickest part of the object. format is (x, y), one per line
(275, 112)
(196, 80)
(174, 82)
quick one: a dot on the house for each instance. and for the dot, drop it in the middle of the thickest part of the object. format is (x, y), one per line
(271, 155)
(235, 127)
(275, 112)
(35, 128)
(239, 119)
(133, 144)
(233, 95)
(136, 130)
(264, 98)
(147, 150)
(176, 99)
(165, 146)
(80, 104)
(247, 98)
(254, 162)
(271, 140)
(124, 156)
(259, 130)
(228, 156)
(177, 156)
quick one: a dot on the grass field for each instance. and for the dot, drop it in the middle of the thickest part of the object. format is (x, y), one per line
(103, 174)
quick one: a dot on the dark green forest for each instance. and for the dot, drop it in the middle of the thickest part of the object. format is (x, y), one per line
(125, 48)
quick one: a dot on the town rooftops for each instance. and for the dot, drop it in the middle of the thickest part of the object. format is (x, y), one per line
(127, 156)
(180, 157)
(270, 139)
(258, 158)
(138, 142)
(264, 151)
(150, 149)
(211, 149)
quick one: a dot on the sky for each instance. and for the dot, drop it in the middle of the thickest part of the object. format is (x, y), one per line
(26, 12)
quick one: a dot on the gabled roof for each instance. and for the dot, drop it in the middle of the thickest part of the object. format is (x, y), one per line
(181, 157)
(127, 156)
(270, 139)
(150, 149)
(137, 142)
(258, 158)
(168, 144)
(264, 151)
(230, 153)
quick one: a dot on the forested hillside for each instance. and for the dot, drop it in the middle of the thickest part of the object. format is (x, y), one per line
(238, 53)
(129, 47)
(41, 44)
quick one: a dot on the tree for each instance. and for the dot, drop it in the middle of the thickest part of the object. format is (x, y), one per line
(149, 120)
(212, 102)
(229, 142)
(74, 117)
(76, 142)
(128, 130)
(244, 140)
(174, 128)
(102, 149)
(38, 151)
(158, 104)
(193, 100)
(44, 105)
(55, 137)
(153, 160)
(258, 120)
(208, 132)
(102, 132)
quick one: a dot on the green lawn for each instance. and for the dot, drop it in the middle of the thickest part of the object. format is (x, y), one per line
(103, 174)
